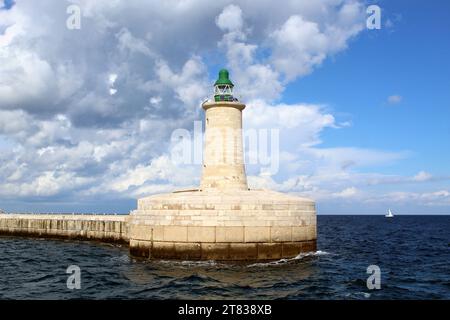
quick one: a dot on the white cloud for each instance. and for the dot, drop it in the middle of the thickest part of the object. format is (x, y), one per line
(134, 45)
(300, 44)
(349, 156)
(422, 176)
(13, 122)
(346, 193)
(189, 84)
(254, 79)
(308, 168)
(87, 114)
(12, 21)
(155, 100)
(25, 78)
(297, 43)
(111, 80)
(230, 19)
(428, 198)
(301, 124)
(394, 99)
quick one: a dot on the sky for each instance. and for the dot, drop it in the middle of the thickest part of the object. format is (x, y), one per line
(87, 114)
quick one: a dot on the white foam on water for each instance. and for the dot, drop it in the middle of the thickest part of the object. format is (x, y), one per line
(357, 294)
(286, 260)
(121, 258)
(213, 263)
(206, 263)
(190, 263)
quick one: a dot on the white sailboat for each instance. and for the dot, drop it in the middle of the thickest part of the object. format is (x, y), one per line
(389, 214)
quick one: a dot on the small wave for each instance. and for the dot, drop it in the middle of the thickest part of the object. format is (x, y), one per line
(287, 260)
(195, 278)
(40, 278)
(190, 263)
(358, 295)
(208, 263)
(313, 253)
(122, 258)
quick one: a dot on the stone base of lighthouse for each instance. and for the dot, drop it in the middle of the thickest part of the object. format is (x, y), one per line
(222, 225)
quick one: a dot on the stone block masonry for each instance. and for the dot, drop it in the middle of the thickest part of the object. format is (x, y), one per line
(105, 228)
(186, 242)
(222, 225)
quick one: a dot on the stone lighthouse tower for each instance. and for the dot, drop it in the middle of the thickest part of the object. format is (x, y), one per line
(223, 219)
(223, 161)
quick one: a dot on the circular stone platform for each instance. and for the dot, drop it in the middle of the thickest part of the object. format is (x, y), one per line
(223, 225)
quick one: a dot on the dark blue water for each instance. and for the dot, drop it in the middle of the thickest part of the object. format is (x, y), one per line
(413, 253)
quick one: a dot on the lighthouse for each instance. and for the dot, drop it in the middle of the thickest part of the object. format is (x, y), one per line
(223, 160)
(223, 219)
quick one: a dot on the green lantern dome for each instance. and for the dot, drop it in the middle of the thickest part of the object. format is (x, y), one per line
(223, 78)
(223, 87)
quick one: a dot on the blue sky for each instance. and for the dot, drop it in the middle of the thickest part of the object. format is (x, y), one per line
(86, 115)
(8, 4)
(409, 60)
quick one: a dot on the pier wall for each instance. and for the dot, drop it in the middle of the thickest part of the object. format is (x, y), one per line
(107, 228)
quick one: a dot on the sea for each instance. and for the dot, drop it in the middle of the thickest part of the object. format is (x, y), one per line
(358, 257)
